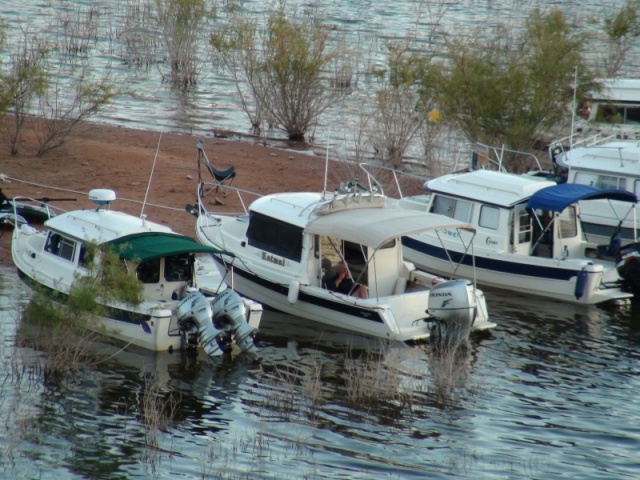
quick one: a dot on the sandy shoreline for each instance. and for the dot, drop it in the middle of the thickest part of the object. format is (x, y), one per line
(161, 167)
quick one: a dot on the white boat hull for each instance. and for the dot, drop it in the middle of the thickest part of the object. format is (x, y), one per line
(556, 279)
(395, 317)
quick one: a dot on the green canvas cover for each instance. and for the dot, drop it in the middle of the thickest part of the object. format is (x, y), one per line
(151, 245)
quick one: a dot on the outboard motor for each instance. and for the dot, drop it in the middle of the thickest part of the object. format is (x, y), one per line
(230, 314)
(628, 266)
(453, 306)
(194, 312)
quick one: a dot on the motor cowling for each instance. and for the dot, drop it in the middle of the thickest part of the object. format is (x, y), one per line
(230, 314)
(195, 311)
(453, 302)
(628, 268)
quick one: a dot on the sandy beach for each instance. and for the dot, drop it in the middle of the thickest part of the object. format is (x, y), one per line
(162, 168)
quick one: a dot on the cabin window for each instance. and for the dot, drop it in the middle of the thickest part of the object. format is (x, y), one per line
(568, 223)
(452, 208)
(61, 246)
(628, 114)
(176, 268)
(601, 181)
(524, 226)
(489, 217)
(67, 249)
(149, 271)
(608, 181)
(275, 236)
(84, 258)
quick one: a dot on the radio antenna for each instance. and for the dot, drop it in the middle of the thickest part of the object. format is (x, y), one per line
(151, 175)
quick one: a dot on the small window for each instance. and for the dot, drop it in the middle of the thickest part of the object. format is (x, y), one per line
(489, 217)
(524, 222)
(83, 258)
(568, 223)
(177, 269)
(275, 236)
(443, 206)
(606, 182)
(632, 115)
(67, 249)
(149, 271)
(53, 243)
(636, 187)
(452, 208)
(61, 246)
(584, 178)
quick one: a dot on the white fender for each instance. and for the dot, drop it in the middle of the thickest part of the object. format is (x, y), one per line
(401, 286)
(294, 290)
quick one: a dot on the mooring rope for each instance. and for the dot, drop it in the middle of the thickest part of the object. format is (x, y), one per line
(8, 179)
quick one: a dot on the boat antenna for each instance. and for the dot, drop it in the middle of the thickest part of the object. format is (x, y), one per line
(574, 106)
(326, 164)
(151, 175)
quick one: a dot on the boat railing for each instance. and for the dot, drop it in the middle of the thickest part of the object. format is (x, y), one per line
(487, 156)
(41, 203)
(578, 139)
(397, 182)
(245, 197)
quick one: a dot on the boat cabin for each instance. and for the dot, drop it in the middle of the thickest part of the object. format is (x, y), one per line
(163, 261)
(310, 250)
(498, 205)
(615, 105)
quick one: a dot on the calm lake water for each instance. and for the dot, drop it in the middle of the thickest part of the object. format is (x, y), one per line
(552, 392)
(367, 25)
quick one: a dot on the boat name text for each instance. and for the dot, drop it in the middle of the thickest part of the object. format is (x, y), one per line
(273, 259)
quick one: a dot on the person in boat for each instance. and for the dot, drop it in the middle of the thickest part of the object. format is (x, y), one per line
(343, 283)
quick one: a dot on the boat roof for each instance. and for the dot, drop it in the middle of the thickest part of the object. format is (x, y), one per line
(618, 90)
(374, 227)
(620, 157)
(151, 245)
(298, 208)
(366, 219)
(559, 197)
(488, 186)
(101, 225)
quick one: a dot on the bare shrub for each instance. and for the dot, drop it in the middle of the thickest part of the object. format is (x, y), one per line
(67, 104)
(26, 80)
(283, 65)
(181, 23)
(374, 377)
(138, 35)
(157, 411)
(449, 353)
(74, 30)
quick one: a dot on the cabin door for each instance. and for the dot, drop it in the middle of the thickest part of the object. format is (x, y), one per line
(521, 230)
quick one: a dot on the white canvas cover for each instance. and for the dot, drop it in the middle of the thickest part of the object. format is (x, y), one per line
(374, 227)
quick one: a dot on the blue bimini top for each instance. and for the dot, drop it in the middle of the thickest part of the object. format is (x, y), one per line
(558, 197)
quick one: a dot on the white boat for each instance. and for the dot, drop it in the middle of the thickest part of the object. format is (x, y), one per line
(175, 312)
(608, 164)
(284, 249)
(529, 237)
(613, 110)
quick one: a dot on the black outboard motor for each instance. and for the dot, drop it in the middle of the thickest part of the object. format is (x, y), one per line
(628, 266)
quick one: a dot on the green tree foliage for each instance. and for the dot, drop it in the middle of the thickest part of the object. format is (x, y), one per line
(283, 64)
(503, 89)
(622, 30)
